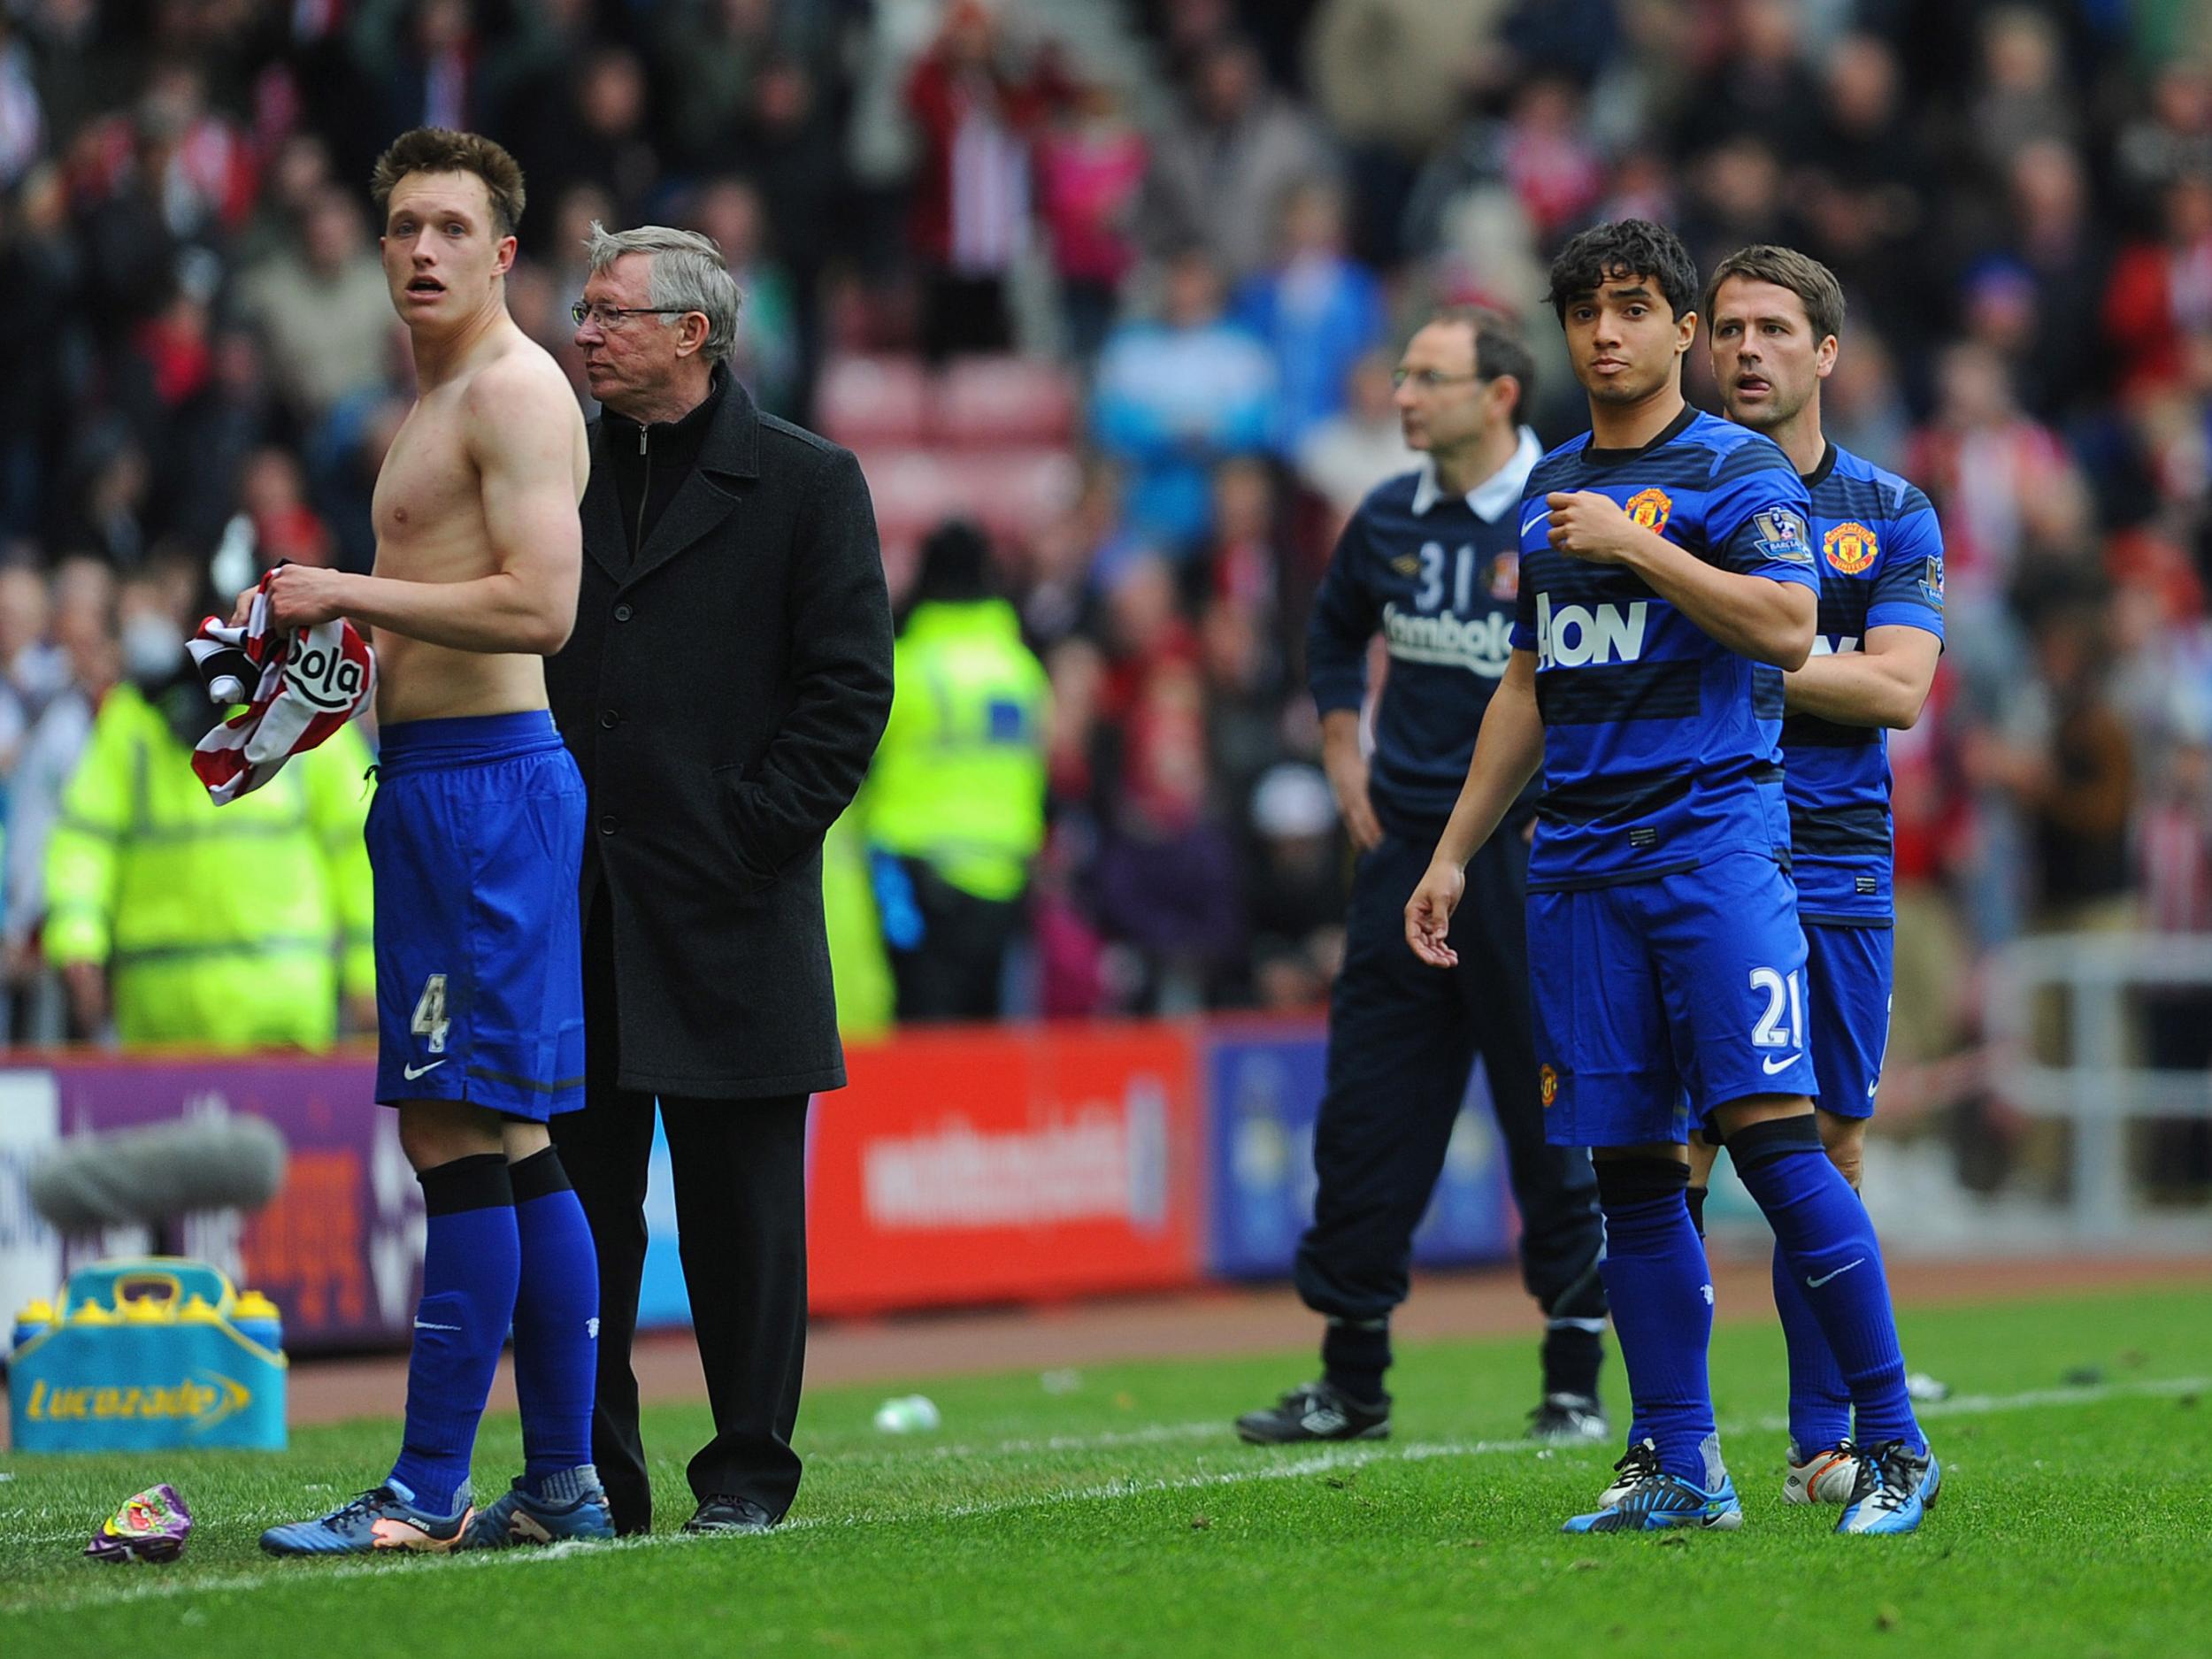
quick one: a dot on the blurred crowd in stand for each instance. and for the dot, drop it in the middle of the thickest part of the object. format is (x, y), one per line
(1120, 283)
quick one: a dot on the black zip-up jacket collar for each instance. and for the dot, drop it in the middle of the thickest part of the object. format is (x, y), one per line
(651, 461)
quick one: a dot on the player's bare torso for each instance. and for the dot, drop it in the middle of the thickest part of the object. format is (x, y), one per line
(428, 510)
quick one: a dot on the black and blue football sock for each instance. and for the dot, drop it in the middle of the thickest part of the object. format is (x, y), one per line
(557, 1326)
(468, 1271)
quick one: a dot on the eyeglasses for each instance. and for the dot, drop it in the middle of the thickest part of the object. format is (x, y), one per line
(1428, 380)
(607, 318)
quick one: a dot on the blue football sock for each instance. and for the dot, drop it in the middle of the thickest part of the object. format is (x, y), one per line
(1827, 1243)
(1820, 1400)
(556, 1321)
(1661, 1298)
(1638, 1430)
(468, 1296)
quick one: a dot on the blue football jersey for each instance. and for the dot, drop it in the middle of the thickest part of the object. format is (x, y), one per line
(1662, 747)
(1880, 560)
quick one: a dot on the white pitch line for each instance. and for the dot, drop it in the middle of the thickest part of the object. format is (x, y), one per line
(1348, 1456)
(1977, 1405)
(1151, 1436)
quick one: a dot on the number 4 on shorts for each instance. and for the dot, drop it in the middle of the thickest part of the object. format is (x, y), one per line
(430, 1018)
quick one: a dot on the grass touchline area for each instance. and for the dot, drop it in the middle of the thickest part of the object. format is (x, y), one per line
(1277, 1467)
(1112, 1512)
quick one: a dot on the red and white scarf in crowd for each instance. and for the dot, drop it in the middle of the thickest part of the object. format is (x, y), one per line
(300, 684)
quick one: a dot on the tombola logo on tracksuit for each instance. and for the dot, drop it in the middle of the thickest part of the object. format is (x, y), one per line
(1578, 636)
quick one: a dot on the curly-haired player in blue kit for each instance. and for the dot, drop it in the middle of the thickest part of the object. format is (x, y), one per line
(1667, 580)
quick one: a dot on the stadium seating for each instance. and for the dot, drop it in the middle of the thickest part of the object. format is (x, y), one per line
(981, 403)
(861, 401)
(990, 439)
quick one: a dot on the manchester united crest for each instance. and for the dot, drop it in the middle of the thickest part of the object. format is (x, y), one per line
(1850, 548)
(1548, 1079)
(1650, 508)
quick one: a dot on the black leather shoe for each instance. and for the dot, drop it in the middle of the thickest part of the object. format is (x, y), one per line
(1315, 1411)
(725, 1513)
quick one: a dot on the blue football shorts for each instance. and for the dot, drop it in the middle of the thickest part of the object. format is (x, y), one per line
(1848, 980)
(1657, 1001)
(477, 837)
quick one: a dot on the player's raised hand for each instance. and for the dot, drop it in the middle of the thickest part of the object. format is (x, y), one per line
(1588, 526)
(1429, 913)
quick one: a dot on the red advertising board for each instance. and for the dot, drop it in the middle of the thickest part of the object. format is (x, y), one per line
(1017, 1165)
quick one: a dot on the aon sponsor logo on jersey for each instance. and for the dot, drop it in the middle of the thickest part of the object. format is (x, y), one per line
(1480, 644)
(1580, 636)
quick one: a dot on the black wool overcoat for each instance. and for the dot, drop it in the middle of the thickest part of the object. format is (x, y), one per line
(723, 694)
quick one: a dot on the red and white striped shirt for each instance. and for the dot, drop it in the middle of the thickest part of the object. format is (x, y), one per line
(300, 685)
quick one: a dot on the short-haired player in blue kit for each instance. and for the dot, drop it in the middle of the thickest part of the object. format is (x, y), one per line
(476, 837)
(1773, 318)
(1667, 579)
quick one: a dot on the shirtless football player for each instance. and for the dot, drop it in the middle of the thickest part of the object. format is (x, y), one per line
(476, 834)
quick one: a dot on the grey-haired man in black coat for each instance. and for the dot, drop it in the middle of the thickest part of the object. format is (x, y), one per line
(723, 693)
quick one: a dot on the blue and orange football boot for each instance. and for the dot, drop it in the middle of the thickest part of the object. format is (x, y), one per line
(386, 1518)
(571, 1505)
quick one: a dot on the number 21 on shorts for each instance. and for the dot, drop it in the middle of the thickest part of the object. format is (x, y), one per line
(1784, 997)
(430, 1016)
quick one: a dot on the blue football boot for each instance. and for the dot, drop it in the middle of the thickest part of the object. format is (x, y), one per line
(1657, 1503)
(576, 1507)
(1650, 1500)
(1896, 1488)
(386, 1518)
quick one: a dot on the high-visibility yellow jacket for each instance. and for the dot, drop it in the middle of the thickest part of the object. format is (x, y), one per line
(958, 780)
(224, 927)
(859, 968)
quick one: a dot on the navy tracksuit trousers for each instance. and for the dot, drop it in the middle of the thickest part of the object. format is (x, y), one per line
(1403, 1041)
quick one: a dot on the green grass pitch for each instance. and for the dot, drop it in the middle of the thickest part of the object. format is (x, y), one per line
(1120, 1517)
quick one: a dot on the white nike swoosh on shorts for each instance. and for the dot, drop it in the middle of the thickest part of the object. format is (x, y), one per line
(411, 1072)
(1777, 1063)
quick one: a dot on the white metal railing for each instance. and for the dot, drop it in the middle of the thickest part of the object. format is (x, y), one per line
(2101, 1085)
